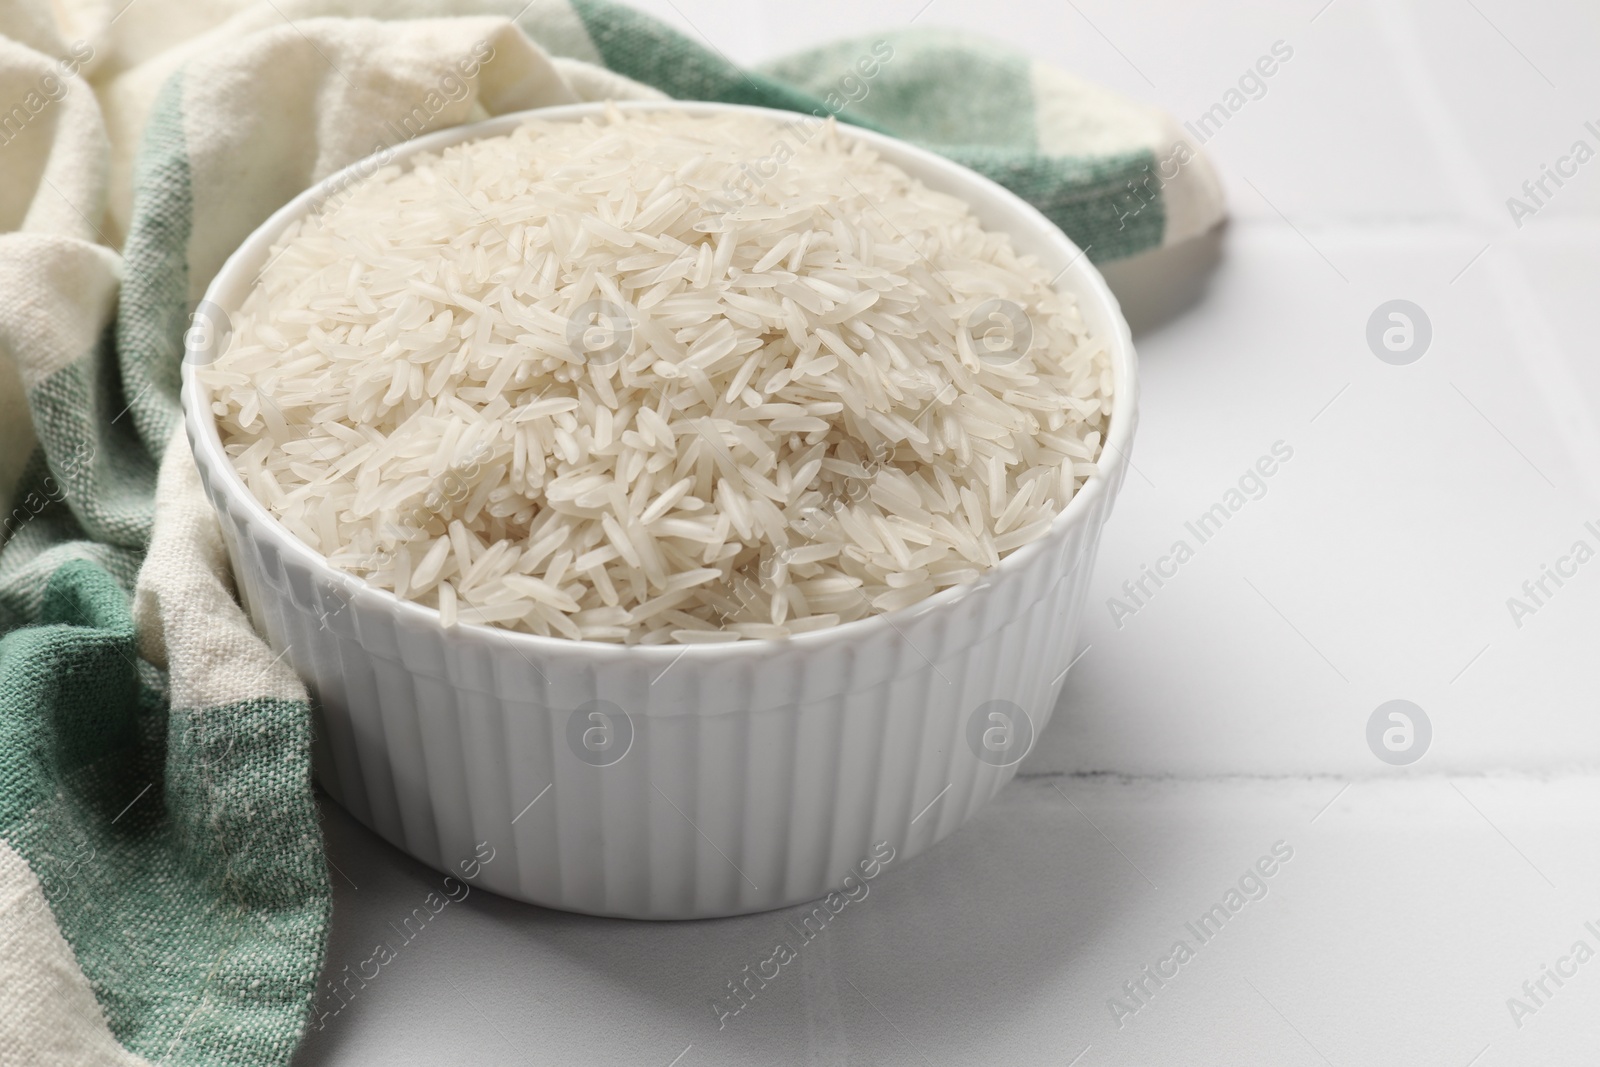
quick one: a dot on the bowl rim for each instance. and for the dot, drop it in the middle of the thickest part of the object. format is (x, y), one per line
(239, 271)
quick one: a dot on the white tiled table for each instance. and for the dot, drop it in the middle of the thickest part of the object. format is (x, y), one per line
(1230, 712)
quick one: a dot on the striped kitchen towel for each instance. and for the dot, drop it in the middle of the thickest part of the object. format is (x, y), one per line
(163, 892)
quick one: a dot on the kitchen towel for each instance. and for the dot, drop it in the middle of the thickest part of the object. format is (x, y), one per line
(164, 897)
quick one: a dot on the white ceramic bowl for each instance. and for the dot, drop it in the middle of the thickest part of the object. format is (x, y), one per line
(671, 781)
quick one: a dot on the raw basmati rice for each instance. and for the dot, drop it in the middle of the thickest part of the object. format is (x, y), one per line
(606, 380)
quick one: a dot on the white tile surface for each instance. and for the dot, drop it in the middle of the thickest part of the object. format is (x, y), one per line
(1377, 565)
(1006, 944)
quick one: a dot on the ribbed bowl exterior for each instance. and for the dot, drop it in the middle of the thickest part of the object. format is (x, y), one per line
(732, 778)
(750, 783)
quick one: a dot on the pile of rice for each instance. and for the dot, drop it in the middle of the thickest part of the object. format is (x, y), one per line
(609, 381)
